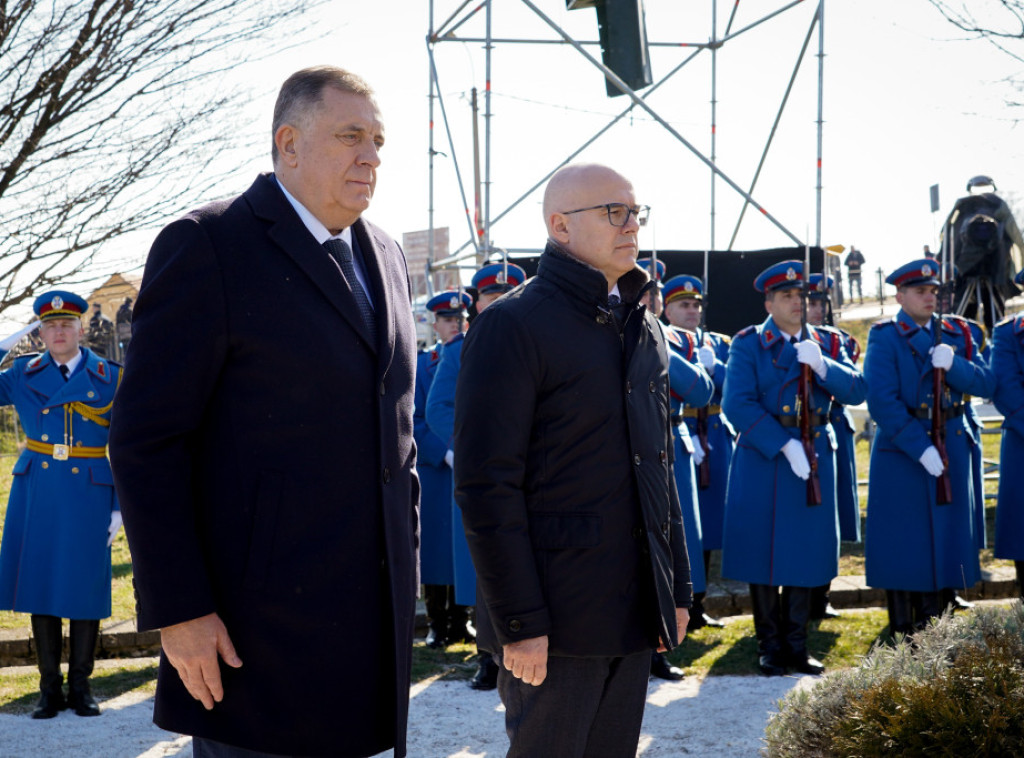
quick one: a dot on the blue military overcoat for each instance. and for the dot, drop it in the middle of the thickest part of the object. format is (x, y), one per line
(435, 481)
(912, 543)
(772, 536)
(1008, 368)
(689, 385)
(54, 559)
(847, 497)
(440, 414)
(721, 440)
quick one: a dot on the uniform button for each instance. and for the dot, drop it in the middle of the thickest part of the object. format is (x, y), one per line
(90, 393)
(652, 388)
(74, 469)
(46, 464)
(45, 437)
(959, 431)
(46, 411)
(785, 409)
(817, 434)
(636, 459)
(924, 405)
(515, 625)
(629, 386)
(387, 475)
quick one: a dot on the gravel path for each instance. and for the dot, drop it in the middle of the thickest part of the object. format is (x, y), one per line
(722, 716)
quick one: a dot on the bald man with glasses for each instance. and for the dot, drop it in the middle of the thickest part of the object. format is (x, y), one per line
(569, 503)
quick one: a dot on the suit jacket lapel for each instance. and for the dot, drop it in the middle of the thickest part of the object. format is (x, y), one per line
(379, 271)
(295, 240)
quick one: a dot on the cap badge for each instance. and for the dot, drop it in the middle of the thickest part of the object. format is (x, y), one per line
(454, 302)
(926, 270)
(501, 277)
(688, 286)
(57, 303)
(791, 273)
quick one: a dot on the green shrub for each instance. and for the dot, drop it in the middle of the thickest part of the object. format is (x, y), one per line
(957, 691)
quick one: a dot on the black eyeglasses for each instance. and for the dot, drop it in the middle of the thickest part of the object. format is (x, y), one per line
(618, 213)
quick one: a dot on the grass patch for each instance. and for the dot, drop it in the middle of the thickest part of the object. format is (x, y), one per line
(19, 685)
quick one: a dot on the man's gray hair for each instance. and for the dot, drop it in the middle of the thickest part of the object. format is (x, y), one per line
(302, 93)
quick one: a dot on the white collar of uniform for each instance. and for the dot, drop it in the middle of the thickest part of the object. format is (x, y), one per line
(73, 363)
(320, 232)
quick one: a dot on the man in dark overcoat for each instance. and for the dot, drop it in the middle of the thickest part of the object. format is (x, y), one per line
(569, 499)
(265, 463)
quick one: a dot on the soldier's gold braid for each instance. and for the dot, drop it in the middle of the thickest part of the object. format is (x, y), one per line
(93, 413)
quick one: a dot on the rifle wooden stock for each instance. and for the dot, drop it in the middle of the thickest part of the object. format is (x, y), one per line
(704, 470)
(943, 485)
(807, 435)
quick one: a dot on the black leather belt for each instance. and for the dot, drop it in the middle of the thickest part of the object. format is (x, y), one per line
(951, 412)
(817, 419)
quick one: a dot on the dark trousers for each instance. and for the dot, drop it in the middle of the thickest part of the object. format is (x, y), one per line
(586, 708)
(854, 280)
(204, 748)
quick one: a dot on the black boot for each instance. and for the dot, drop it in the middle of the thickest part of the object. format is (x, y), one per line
(486, 676)
(949, 599)
(821, 608)
(796, 610)
(49, 642)
(901, 612)
(662, 669)
(699, 617)
(435, 597)
(927, 606)
(1019, 565)
(82, 654)
(768, 627)
(460, 629)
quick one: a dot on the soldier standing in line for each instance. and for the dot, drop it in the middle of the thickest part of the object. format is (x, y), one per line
(854, 264)
(1008, 368)
(63, 513)
(491, 282)
(916, 546)
(447, 619)
(775, 536)
(684, 304)
(835, 341)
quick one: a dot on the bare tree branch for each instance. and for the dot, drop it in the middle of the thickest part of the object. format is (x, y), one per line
(110, 114)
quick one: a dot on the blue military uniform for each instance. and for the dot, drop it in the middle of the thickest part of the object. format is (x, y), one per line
(1008, 368)
(440, 417)
(914, 546)
(54, 559)
(446, 617)
(772, 536)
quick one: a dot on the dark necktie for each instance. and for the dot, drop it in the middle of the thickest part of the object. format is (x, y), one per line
(793, 340)
(615, 304)
(64, 371)
(342, 254)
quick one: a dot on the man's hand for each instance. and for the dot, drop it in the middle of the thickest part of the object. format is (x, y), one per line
(706, 356)
(192, 648)
(527, 659)
(698, 453)
(932, 461)
(942, 357)
(114, 527)
(797, 458)
(682, 620)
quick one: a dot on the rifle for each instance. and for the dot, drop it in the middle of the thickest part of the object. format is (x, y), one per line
(704, 470)
(943, 486)
(804, 400)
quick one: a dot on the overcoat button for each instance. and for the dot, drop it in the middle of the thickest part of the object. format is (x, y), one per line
(387, 475)
(636, 459)
(46, 464)
(46, 411)
(515, 625)
(74, 470)
(629, 386)
(652, 388)
(45, 437)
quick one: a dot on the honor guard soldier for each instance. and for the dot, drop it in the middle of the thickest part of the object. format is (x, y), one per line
(916, 545)
(63, 514)
(690, 386)
(447, 619)
(1008, 368)
(684, 306)
(847, 499)
(656, 270)
(776, 533)
(491, 282)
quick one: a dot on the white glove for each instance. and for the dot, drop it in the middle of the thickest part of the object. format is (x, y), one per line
(808, 353)
(794, 452)
(449, 458)
(8, 342)
(698, 453)
(931, 460)
(706, 356)
(942, 357)
(114, 528)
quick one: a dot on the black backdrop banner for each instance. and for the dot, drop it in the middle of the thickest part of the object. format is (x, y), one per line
(732, 302)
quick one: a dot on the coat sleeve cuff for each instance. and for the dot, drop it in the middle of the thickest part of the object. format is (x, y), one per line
(513, 627)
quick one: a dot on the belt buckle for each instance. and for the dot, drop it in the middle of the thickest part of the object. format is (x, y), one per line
(61, 452)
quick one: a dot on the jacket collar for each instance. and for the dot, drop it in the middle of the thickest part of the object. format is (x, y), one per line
(585, 284)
